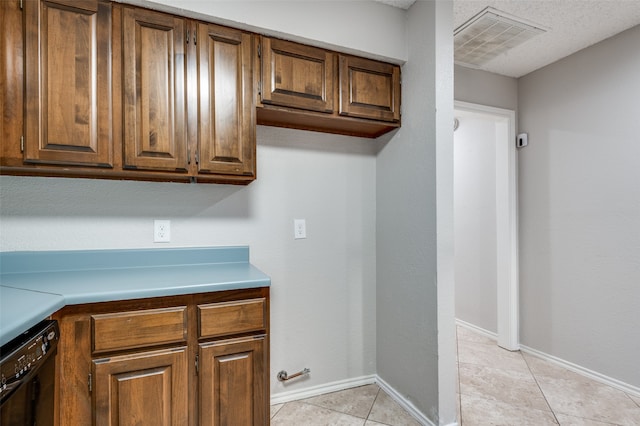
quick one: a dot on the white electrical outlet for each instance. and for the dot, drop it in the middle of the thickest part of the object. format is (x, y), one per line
(161, 231)
(299, 229)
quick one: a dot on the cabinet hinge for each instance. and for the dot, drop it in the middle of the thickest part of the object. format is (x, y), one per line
(259, 87)
(259, 51)
(90, 383)
(22, 143)
(187, 36)
(197, 158)
(20, 4)
(195, 41)
(197, 366)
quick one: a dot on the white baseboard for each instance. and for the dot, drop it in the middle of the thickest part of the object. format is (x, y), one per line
(479, 330)
(594, 375)
(404, 403)
(295, 395)
(598, 377)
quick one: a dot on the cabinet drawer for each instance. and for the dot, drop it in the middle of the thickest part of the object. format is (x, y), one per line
(219, 319)
(136, 329)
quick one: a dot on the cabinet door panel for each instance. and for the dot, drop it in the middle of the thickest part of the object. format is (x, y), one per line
(297, 76)
(154, 91)
(369, 89)
(142, 388)
(232, 386)
(68, 83)
(226, 136)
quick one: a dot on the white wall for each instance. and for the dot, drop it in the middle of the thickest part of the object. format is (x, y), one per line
(348, 26)
(323, 288)
(485, 88)
(407, 242)
(580, 208)
(475, 220)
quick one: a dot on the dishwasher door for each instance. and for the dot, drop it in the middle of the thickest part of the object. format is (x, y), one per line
(28, 373)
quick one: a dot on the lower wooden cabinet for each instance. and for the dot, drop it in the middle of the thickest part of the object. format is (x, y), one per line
(232, 383)
(165, 361)
(142, 388)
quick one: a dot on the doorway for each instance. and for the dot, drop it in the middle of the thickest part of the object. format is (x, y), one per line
(485, 221)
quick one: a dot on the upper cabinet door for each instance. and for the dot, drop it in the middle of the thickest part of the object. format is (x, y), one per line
(226, 123)
(154, 91)
(369, 89)
(68, 106)
(297, 76)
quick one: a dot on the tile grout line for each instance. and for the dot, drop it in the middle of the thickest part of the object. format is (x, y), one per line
(459, 383)
(374, 403)
(633, 400)
(301, 401)
(535, 378)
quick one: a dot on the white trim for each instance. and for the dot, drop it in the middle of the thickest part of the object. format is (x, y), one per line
(594, 375)
(486, 333)
(506, 226)
(406, 404)
(340, 385)
(294, 395)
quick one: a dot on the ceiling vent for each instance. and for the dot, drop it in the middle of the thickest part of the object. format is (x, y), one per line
(489, 34)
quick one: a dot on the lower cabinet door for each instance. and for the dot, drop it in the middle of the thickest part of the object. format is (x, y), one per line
(233, 384)
(146, 388)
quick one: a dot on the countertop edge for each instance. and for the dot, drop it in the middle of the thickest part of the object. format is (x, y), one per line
(35, 285)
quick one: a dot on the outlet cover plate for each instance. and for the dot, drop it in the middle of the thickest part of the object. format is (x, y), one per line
(161, 231)
(299, 229)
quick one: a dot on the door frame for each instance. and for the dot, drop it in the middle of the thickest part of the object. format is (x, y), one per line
(506, 226)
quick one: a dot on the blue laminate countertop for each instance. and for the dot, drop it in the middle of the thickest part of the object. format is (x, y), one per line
(15, 318)
(33, 285)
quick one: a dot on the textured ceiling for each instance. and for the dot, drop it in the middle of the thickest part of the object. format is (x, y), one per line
(402, 4)
(574, 25)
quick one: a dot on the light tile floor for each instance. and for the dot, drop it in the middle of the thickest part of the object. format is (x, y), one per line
(496, 387)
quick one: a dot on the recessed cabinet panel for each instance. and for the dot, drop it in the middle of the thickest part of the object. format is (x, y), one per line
(226, 136)
(369, 89)
(298, 76)
(68, 86)
(154, 91)
(232, 386)
(148, 388)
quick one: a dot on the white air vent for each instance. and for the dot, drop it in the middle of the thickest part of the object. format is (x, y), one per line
(489, 34)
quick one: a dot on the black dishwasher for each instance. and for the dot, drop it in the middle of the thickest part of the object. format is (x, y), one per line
(28, 370)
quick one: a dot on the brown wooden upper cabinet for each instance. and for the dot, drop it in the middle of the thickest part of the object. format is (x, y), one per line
(225, 119)
(298, 76)
(187, 97)
(311, 88)
(116, 91)
(369, 89)
(155, 136)
(68, 103)
(121, 92)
